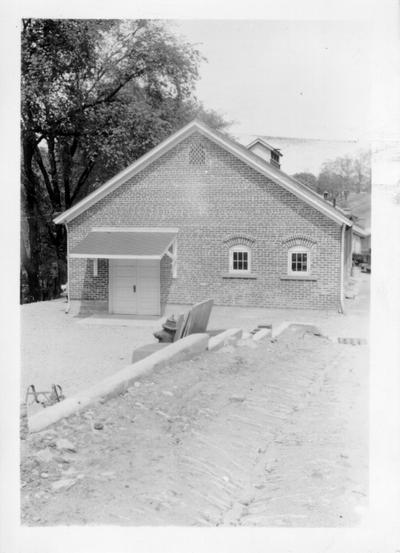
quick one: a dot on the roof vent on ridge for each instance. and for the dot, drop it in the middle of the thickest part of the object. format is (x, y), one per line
(267, 152)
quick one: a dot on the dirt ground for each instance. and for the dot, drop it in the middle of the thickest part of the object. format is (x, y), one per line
(63, 349)
(268, 434)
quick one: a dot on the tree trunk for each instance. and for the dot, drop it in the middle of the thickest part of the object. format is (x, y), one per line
(31, 256)
(61, 249)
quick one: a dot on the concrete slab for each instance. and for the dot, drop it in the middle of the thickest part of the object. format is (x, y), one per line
(146, 350)
(279, 328)
(261, 334)
(229, 336)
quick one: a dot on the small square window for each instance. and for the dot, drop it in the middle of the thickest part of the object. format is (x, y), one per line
(299, 261)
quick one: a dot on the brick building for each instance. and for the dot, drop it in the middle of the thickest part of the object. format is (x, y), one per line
(200, 216)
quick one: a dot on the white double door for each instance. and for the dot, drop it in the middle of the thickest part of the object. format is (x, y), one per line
(134, 287)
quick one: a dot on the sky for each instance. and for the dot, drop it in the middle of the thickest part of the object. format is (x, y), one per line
(306, 79)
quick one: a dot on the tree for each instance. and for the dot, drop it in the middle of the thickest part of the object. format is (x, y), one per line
(96, 95)
(308, 179)
(346, 174)
(362, 171)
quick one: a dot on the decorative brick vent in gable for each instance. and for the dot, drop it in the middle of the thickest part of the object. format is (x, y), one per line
(197, 153)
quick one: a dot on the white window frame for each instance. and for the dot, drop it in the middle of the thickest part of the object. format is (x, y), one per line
(95, 267)
(299, 249)
(240, 248)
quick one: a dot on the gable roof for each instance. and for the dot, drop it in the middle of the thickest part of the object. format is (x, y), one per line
(290, 184)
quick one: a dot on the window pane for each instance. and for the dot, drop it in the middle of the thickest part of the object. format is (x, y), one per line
(240, 260)
(299, 262)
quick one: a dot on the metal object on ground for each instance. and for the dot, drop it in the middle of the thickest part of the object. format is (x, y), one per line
(164, 336)
(170, 324)
(167, 334)
(193, 321)
(46, 399)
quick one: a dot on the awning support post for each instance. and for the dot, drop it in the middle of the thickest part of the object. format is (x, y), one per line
(172, 253)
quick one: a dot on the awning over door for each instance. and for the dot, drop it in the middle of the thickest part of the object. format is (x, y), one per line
(125, 244)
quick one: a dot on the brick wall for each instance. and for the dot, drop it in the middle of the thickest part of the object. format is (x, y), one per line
(83, 285)
(214, 206)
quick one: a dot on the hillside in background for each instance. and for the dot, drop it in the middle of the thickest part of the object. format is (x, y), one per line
(306, 155)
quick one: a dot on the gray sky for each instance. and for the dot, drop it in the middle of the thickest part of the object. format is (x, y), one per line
(285, 78)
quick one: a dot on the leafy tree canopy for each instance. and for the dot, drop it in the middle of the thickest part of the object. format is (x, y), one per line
(308, 179)
(96, 95)
(346, 174)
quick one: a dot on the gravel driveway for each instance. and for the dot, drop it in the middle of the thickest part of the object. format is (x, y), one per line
(58, 349)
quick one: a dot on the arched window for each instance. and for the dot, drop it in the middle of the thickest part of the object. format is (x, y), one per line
(299, 261)
(239, 259)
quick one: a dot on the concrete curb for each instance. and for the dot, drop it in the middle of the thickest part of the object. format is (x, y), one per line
(261, 334)
(182, 349)
(279, 328)
(227, 337)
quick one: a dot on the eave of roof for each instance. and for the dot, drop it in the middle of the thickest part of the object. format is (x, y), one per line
(265, 143)
(123, 244)
(288, 183)
(361, 231)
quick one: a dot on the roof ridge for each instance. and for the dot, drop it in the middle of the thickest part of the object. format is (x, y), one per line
(256, 162)
(299, 138)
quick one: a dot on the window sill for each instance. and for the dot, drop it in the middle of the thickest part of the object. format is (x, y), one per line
(298, 277)
(250, 276)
